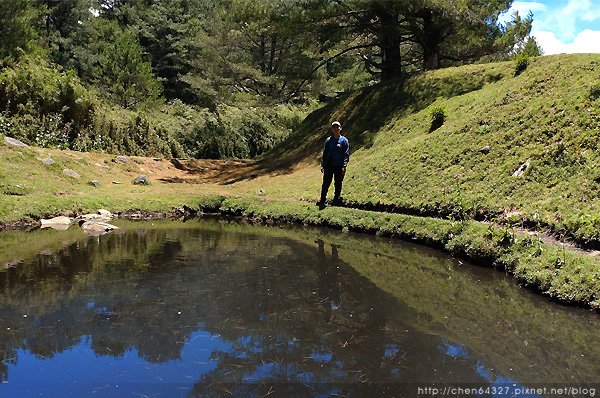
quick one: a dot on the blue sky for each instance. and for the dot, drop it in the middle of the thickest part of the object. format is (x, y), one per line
(564, 26)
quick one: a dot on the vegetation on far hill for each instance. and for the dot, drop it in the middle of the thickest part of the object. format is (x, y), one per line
(219, 79)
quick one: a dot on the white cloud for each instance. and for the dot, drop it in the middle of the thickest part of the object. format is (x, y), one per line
(587, 41)
(523, 7)
(566, 21)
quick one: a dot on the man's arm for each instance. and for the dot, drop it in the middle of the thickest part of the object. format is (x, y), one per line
(347, 154)
(324, 156)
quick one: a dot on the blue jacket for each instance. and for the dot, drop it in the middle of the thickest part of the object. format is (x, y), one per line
(336, 152)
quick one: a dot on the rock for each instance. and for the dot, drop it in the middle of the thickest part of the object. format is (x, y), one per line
(96, 228)
(521, 170)
(48, 161)
(122, 159)
(485, 149)
(512, 214)
(105, 213)
(14, 142)
(101, 165)
(13, 264)
(71, 173)
(94, 183)
(102, 215)
(59, 223)
(117, 182)
(260, 192)
(142, 179)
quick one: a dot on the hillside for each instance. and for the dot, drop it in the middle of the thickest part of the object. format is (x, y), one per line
(495, 123)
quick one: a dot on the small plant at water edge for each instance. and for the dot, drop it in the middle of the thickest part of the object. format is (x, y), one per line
(438, 117)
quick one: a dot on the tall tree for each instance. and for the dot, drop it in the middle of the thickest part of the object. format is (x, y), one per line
(62, 26)
(173, 33)
(126, 75)
(16, 27)
(266, 50)
(463, 31)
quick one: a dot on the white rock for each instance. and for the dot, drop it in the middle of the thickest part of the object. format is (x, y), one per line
(59, 223)
(102, 215)
(519, 172)
(105, 213)
(71, 173)
(96, 227)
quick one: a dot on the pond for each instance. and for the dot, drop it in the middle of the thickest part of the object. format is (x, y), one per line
(216, 308)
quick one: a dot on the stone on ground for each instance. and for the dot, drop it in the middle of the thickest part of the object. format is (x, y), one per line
(14, 142)
(72, 173)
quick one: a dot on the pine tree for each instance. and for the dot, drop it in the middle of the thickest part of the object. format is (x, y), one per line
(126, 75)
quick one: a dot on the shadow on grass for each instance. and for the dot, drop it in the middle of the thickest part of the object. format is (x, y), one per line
(363, 113)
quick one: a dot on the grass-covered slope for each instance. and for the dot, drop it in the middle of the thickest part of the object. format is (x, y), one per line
(30, 189)
(495, 123)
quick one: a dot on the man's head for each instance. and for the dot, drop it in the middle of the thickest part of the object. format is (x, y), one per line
(336, 128)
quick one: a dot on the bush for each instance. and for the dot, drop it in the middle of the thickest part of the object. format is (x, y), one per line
(595, 92)
(521, 63)
(33, 86)
(126, 75)
(437, 115)
(232, 132)
(45, 106)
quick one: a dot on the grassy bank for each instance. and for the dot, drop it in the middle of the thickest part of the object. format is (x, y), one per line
(30, 189)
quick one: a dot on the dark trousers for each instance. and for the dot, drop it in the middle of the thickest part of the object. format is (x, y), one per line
(329, 173)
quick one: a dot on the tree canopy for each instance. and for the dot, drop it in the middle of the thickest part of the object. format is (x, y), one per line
(205, 52)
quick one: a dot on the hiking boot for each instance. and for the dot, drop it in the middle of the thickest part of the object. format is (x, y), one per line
(321, 204)
(336, 202)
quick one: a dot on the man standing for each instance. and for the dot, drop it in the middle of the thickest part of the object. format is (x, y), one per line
(336, 155)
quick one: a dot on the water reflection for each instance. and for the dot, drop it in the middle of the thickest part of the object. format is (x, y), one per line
(215, 309)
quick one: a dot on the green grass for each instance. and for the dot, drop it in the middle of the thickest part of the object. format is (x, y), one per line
(45, 190)
(546, 114)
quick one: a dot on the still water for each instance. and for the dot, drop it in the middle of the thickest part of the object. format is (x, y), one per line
(211, 308)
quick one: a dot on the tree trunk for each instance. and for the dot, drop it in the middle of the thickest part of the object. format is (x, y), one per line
(262, 55)
(433, 34)
(389, 42)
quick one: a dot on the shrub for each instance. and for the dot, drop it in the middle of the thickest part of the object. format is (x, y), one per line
(438, 117)
(45, 106)
(33, 86)
(126, 75)
(231, 131)
(595, 92)
(521, 63)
